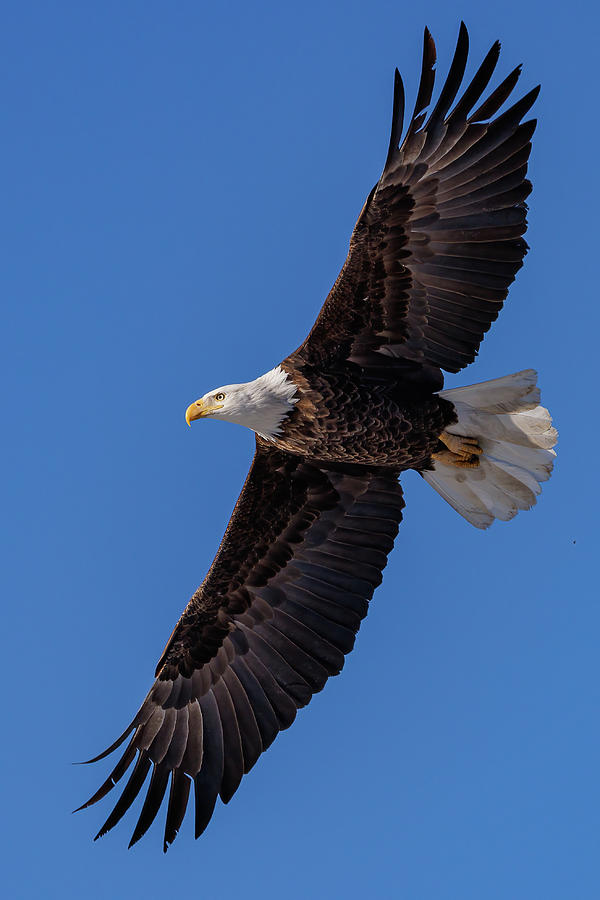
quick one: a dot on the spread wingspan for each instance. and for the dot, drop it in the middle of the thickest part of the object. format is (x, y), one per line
(431, 258)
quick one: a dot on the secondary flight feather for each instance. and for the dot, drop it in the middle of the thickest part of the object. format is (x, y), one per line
(431, 258)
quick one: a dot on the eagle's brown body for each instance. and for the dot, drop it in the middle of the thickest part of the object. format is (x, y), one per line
(349, 417)
(431, 258)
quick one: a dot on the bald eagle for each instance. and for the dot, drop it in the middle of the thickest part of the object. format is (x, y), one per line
(435, 248)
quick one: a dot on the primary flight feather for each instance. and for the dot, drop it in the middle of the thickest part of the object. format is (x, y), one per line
(434, 250)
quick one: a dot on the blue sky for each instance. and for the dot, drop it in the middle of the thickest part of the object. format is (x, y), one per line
(181, 181)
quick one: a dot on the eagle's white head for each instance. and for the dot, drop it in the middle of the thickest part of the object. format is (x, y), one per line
(261, 405)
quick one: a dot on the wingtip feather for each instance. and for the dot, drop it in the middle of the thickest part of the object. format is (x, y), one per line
(397, 117)
(109, 750)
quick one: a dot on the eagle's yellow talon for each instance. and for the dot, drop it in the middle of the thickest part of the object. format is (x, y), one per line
(463, 452)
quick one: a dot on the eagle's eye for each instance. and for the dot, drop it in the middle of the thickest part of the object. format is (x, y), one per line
(219, 396)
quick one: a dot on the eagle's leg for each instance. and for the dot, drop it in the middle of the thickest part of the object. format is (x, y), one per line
(463, 452)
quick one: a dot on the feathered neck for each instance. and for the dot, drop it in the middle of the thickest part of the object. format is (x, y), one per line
(262, 404)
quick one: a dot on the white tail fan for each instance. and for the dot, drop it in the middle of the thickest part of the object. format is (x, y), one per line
(516, 436)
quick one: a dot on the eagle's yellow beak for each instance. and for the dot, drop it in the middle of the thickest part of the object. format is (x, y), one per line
(195, 411)
(200, 409)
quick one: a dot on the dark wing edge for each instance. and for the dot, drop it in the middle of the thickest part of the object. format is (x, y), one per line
(268, 641)
(440, 238)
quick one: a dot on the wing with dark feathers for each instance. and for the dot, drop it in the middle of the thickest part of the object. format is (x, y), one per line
(277, 612)
(439, 239)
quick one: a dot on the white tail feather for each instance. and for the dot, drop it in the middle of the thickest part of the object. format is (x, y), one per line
(516, 436)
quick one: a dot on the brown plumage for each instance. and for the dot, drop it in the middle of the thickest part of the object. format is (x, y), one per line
(431, 258)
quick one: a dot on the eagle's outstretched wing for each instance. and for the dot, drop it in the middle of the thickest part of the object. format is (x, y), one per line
(439, 239)
(279, 608)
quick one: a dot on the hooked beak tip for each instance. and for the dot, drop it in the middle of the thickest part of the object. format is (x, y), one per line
(194, 411)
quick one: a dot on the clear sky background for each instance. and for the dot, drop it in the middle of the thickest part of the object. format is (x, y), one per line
(180, 183)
